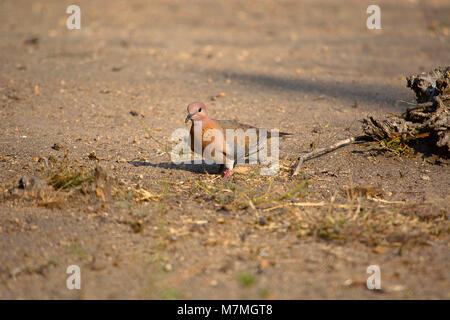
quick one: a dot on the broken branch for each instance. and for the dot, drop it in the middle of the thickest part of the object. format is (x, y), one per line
(324, 150)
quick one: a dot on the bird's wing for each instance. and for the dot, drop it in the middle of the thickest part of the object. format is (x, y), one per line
(233, 124)
(249, 148)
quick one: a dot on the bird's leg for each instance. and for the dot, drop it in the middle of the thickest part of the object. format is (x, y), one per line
(223, 169)
(227, 173)
(229, 166)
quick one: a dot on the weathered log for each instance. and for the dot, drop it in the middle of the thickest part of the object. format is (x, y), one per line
(430, 118)
(426, 123)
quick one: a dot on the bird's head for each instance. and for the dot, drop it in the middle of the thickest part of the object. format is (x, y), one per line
(196, 112)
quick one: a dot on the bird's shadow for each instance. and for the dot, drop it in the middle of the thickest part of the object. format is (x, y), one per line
(191, 167)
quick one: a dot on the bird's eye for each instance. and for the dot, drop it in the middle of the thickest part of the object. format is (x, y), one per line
(199, 109)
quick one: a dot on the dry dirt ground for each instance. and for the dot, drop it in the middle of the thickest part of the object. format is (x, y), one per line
(112, 93)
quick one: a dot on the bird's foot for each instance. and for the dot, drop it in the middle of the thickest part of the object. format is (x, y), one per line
(227, 173)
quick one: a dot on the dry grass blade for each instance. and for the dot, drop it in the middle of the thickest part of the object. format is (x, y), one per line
(285, 195)
(66, 176)
(141, 195)
(333, 205)
(165, 147)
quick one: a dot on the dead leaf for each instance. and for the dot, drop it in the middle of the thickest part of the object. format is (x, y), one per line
(379, 250)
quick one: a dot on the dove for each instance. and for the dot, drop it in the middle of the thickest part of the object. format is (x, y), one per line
(209, 138)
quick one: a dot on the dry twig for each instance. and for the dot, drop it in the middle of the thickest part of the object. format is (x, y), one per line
(324, 150)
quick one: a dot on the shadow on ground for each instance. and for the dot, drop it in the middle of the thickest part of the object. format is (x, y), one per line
(195, 168)
(385, 96)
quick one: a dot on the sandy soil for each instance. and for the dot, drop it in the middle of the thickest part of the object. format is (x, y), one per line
(120, 86)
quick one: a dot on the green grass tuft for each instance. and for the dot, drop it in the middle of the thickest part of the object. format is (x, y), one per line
(245, 279)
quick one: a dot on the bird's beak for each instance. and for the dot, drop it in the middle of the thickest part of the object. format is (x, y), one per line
(189, 116)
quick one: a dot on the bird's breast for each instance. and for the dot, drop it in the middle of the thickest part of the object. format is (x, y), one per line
(204, 137)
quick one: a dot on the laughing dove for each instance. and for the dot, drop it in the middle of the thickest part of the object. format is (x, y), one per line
(212, 139)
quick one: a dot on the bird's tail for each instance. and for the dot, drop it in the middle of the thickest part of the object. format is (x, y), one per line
(280, 134)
